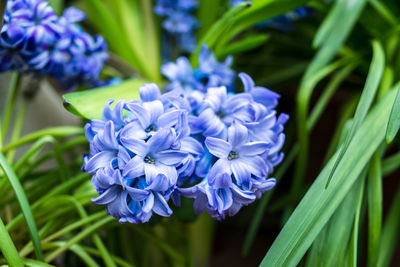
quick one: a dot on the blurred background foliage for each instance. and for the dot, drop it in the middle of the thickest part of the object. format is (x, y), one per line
(337, 72)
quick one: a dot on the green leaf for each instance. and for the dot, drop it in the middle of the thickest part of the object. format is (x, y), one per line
(375, 203)
(390, 233)
(329, 248)
(337, 35)
(318, 205)
(89, 104)
(394, 120)
(218, 29)
(7, 247)
(353, 244)
(35, 263)
(371, 86)
(207, 14)
(24, 204)
(260, 11)
(242, 45)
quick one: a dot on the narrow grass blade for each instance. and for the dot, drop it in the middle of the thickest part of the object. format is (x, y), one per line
(353, 244)
(77, 238)
(318, 205)
(374, 77)
(60, 131)
(375, 203)
(390, 233)
(7, 247)
(24, 204)
(394, 120)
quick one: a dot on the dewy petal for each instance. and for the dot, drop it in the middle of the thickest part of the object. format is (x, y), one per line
(218, 147)
(134, 168)
(237, 134)
(108, 196)
(241, 173)
(137, 146)
(170, 157)
(253, 148)
(149, 92)
(161, 206)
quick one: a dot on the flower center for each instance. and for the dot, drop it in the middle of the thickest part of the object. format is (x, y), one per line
(233, 155)
(148, 160)
(151, 128)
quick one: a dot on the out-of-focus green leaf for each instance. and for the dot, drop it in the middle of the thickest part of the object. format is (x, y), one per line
(371, 86)
(390, 233)
(318, 205)
(207, 14)
(260, 11)
(89, 104)
(242, 45)
(7, 247)
(218, 29)
(394, 120)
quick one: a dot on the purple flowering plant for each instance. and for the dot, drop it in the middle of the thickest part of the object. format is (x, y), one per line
(188, 158)
(198, 140)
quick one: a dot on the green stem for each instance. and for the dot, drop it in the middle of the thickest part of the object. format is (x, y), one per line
(10, 102)
(17, 128)
(7, 247)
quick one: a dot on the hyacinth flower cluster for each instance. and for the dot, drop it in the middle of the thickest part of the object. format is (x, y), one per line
(34, 39)
(197, 140)
(179, 22)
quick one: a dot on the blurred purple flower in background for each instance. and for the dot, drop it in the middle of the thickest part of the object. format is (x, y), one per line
(179, 22)
(34, 39)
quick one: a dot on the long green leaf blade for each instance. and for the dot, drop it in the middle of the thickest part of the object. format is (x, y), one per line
(23, 202)
(371, 86)
(394, 120)
(318, 205)
(7, 247)
(375, 202)
(390, 233)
